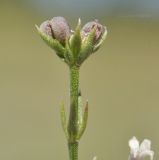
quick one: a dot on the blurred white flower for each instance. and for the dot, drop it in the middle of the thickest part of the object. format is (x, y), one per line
(142, 150)
(95, 158)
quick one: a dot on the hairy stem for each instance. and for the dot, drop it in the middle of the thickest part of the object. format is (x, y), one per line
(73, 150)
(73, 117)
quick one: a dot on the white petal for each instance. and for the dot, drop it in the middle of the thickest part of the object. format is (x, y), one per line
(147, 153)
(131, 157)
(134, 146)
(95, 158)
(145, 145)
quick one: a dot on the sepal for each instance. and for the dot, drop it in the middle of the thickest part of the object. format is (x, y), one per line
(75, 40)
(97, 46)
(53, 43)
(68, 55)
(87, 47)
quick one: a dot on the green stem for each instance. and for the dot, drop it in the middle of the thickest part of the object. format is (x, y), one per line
(73, 117)
(73, 150)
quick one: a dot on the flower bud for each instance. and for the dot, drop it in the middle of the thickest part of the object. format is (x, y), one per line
(74, 47)
(99, 30)
(61, 29)
(57, 28)
(45, 27)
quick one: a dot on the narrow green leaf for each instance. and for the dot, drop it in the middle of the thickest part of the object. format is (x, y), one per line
(80, 105)
(53, 43)
(84, 122)
(63, 119)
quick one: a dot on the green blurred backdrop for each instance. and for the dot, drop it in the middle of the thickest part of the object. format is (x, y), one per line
(121, 83)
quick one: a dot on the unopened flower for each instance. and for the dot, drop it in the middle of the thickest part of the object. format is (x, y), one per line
(45, 27)
(99, 30)
(57, 28)
(138, 151)
(73, 47)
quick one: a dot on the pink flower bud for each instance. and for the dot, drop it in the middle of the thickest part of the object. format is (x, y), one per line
(45, 27)
(57, 28)
(100, 29)
(61, 28)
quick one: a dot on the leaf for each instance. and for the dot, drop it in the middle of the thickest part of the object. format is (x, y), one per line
(80, 105)
(63, 119)
(84, 122)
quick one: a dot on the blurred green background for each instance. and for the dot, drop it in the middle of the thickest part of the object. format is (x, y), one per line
(121, 81)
